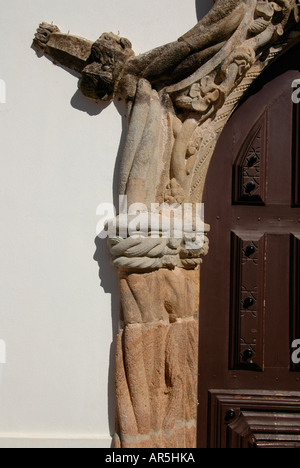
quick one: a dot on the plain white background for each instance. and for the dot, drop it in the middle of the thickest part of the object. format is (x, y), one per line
(59, 152)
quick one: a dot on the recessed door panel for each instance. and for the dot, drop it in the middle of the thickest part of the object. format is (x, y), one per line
(248, 253)
(253, 419)
(249, 170)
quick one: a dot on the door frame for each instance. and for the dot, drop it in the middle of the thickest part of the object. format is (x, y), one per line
(217, 225)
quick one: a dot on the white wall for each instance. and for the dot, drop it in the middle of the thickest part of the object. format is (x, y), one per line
(58, 153)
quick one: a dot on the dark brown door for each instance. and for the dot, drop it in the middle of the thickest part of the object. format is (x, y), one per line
(249, 386)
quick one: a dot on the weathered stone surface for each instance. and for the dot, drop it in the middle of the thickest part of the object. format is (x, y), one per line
(156, 360)
(70, 51)
(147, 254)
(156, 384)
(163, 295)
(179, 98)
(105, 66)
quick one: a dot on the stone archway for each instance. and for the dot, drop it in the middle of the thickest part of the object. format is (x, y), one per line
(179, 98)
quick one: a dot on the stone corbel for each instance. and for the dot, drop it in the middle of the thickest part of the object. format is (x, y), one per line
(179, 98)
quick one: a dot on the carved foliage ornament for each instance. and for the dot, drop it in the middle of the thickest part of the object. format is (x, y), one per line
(179, 98)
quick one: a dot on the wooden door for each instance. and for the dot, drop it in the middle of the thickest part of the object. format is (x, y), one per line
(249, 388)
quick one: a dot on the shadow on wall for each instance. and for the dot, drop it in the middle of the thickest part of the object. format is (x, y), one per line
(84, 104)
(78, 101)
(109, 282)
(107, 273)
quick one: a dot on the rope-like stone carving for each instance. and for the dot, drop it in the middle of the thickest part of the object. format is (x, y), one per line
(151, 254)
(179, 98)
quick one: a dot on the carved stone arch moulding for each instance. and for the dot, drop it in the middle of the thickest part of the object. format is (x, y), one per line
(179, 98)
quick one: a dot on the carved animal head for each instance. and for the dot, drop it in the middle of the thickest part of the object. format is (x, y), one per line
(101, 76)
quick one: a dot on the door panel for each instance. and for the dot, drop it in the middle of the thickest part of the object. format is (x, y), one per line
(295, 294)
(254, 419)
(277, 343)
(296, 156)
(250, 281)
(280, 142)
(249, 170)
(247, 300)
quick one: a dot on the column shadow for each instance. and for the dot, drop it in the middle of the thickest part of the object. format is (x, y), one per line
(109, 282)
(108, 275)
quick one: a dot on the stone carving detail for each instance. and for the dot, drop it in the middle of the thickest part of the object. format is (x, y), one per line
(156, 363)
(179, 98)
(104, 69)
(151, 254)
